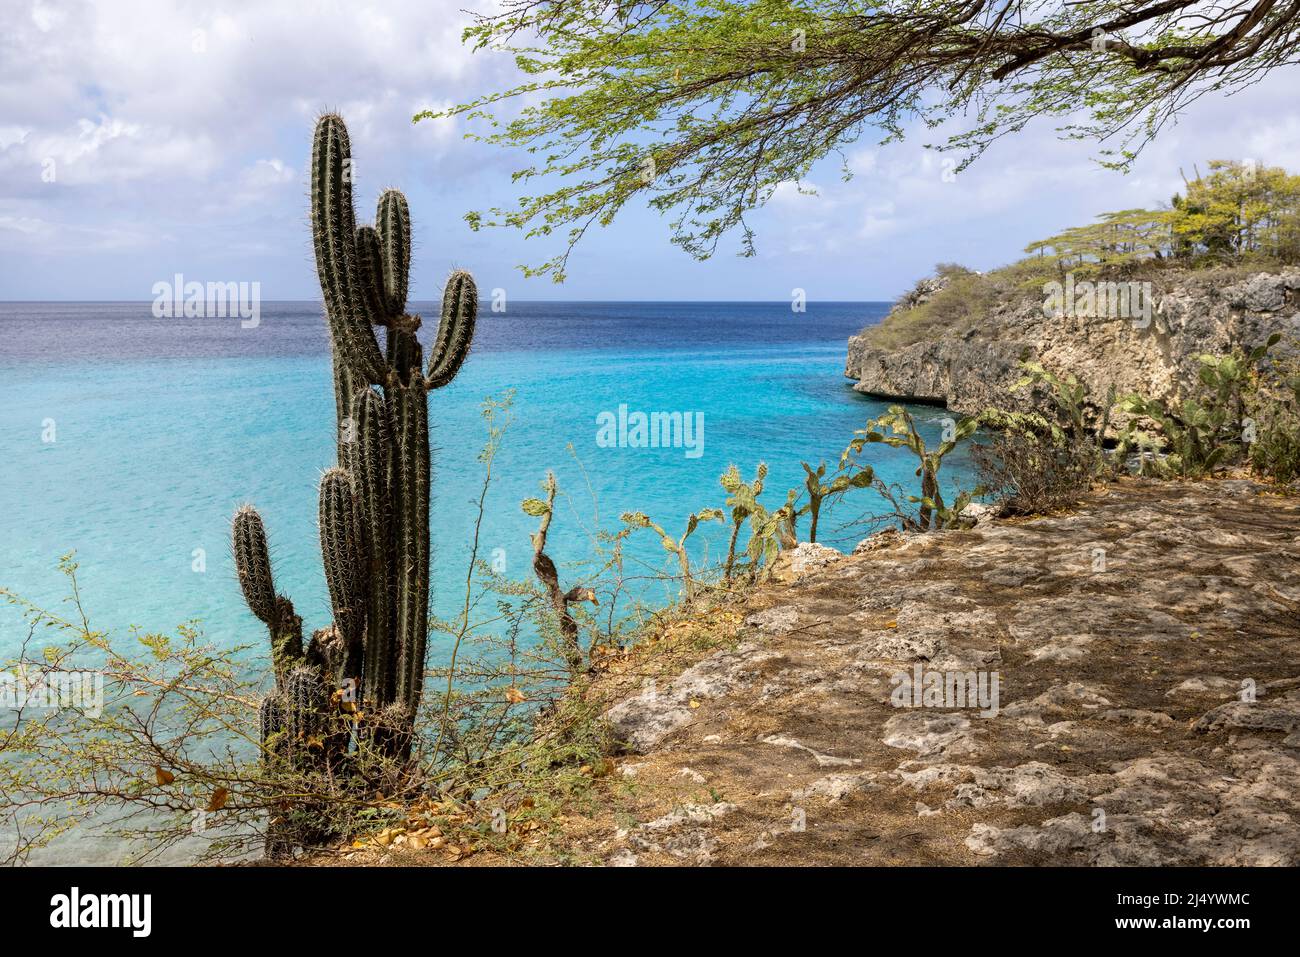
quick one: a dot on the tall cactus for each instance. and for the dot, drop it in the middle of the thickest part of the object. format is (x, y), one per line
(374, 505)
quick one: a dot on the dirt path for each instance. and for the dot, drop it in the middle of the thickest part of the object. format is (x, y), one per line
(1123, 638)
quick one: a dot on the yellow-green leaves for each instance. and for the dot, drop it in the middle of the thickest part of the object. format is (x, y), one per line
(534, 507)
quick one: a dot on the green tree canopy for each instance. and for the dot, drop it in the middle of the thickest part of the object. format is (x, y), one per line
(704, 107)
(1238, 210)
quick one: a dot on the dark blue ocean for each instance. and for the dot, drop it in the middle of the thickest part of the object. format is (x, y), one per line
(162, 427)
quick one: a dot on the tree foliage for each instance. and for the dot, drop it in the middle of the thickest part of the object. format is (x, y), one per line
(1238, 210)
(705, 108)
(1239, 214)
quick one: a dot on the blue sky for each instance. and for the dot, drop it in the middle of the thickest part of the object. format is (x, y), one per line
(176, 134)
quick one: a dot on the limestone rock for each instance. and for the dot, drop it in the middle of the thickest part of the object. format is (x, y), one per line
(970, 371)
(775, 620)
(1118, 739)
(805, 558)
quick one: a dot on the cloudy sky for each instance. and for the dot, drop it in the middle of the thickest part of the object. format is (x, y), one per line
(142, 138)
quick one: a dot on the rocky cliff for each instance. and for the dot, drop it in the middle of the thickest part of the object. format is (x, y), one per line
(1191, 314)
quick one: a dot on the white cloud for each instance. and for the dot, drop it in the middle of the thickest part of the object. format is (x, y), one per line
(126, 122)
(18, 233)
(109, 150)
(168, 90)
(269, 172)
(907, 204)
(797, 196)
(46, 17)
(179, 130)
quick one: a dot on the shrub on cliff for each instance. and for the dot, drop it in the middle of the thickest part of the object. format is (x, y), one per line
(1274, 409)
(1237, 216)
(1029, 473)
(1245, 411)
(1042, 461)
(956, 300)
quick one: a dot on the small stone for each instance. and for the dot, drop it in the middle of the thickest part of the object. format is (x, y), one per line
(804, 559)
(777, 620)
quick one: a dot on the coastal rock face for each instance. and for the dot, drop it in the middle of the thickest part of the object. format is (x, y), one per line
(1147, 708)
(1190, 315)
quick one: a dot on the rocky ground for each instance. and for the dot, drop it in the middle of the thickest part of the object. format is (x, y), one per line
(1148, 655)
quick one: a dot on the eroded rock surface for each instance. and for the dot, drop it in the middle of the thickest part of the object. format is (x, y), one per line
(1146, 714)
(1155, 355)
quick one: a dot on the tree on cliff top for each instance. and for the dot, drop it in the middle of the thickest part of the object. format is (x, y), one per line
(705, 107)
(1240, 211)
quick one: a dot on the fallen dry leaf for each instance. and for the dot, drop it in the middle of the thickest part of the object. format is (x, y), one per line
(218, 800)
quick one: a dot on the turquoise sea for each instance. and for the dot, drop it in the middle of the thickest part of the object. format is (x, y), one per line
(132, 439)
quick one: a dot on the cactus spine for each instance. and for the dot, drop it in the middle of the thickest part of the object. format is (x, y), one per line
(253, 565)
(374, 505)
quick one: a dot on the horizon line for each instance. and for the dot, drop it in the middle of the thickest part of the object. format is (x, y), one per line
(684, 302)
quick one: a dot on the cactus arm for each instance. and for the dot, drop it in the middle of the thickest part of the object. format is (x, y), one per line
(393, 225)
(342, 390)
(370, 274)
(271, 723)
(411, 475)
(333, 223)
(405, 532)
(402, 346)
(455, 329)
(253, 563)
(422, 470)
(304, 703)
(342, 552)
(253, 566)
(370, 465)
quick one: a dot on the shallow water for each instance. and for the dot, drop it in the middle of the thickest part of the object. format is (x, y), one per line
(162, 427)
